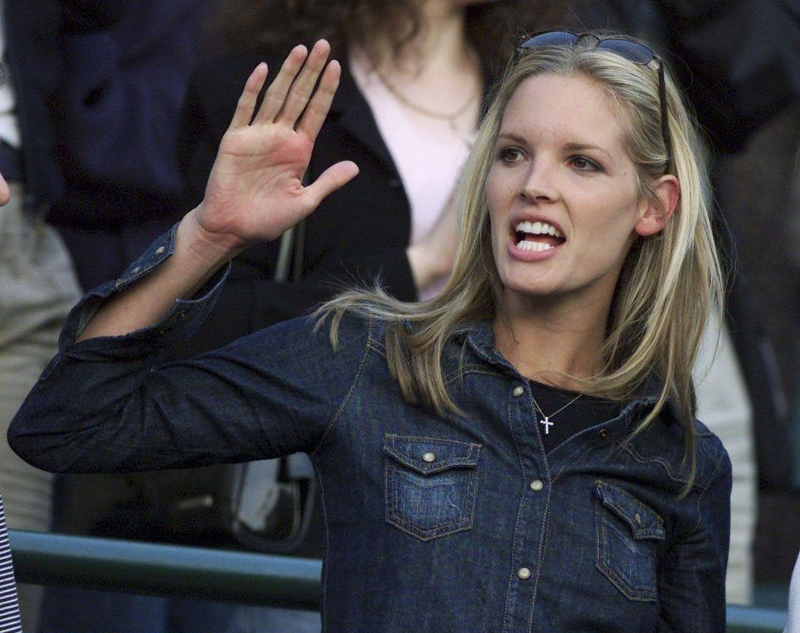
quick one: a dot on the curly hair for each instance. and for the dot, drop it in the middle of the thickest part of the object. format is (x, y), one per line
(274, 25)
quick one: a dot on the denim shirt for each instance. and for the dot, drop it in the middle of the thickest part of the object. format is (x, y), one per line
(459, 523)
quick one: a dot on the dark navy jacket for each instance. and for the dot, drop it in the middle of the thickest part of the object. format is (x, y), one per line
(99, 107)
(440, 524)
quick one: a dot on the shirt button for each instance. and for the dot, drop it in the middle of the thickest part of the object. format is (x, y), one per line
(160, 250)
(518, 391)
(523, 573)
(602, 434)
(537, 485)
(429, 457)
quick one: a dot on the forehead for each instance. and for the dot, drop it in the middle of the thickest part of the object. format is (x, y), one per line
(570, 108)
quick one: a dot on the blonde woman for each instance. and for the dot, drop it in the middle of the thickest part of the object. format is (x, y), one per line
(518, 453)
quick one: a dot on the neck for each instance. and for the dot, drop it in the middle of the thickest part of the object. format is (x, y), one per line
(441, 44)
(550, 341)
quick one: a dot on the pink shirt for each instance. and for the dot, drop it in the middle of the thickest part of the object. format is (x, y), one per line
(429, 159)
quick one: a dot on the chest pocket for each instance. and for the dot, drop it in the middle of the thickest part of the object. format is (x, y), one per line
(627, 533)
(431, 485)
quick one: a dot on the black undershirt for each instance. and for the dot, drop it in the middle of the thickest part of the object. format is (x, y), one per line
(583, 413)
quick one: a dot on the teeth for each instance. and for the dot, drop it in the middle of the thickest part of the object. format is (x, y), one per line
(538, 228)
(533, 246)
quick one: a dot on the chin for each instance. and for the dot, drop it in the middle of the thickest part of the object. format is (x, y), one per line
(530, 288)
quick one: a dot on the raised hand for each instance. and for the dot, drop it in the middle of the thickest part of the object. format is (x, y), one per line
(255, 190)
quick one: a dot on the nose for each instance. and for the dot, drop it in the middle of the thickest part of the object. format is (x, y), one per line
(5, 192)
(539, 185)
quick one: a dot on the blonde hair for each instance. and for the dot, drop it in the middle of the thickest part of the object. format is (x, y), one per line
(668, 284)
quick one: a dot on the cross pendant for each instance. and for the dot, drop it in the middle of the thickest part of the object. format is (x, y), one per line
(547, 424)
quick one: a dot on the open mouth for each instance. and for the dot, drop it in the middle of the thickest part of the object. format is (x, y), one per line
(537, 236)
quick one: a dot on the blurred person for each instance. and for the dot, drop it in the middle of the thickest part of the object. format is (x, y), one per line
(97, 91)
(10, 618)
(37, 277)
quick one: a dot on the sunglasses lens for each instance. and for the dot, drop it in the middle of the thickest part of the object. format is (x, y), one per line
(551, 38)
(632, 51)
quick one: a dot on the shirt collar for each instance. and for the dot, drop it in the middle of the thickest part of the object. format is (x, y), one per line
(480, 336)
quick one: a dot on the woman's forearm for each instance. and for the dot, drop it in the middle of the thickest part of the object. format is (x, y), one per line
(194, 260)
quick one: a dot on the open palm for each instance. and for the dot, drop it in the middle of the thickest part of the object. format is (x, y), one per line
(255, 190)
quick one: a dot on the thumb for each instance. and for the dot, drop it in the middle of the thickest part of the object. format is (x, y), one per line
(333, 178)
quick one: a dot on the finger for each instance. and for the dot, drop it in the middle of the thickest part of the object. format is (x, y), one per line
(320, 104)
(249, 96)
(276, 93)
(303, 85)
(330, 180)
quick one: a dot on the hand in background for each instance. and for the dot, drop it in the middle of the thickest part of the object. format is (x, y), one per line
(255, 191)
(432, 259)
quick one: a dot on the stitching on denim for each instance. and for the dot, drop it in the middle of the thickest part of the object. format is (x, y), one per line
(425, 438)
(517, 527)
(603, 562)
(578, 456)
(426, 534)
(717, 468)
(542, 545)
(378, 349)
(638, 532)
(470, 460)
(423, 468)
(349, 393)
(546, 513)
(426, 539)
(471, 484)
(657, 459)
(394, 518)
(477, 369)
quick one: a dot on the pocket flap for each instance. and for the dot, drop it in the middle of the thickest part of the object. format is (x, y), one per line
(427, 455)
(643, 521)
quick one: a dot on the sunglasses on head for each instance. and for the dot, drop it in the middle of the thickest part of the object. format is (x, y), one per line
(630, 50)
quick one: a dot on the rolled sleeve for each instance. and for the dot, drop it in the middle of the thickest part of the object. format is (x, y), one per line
(183, 318)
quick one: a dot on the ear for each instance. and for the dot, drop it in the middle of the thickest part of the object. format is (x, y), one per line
(655, 212)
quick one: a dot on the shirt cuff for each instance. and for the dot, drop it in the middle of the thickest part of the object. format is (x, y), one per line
(182, 319)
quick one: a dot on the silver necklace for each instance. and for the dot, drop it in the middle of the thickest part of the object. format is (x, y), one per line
(450, 117)
(545, 419)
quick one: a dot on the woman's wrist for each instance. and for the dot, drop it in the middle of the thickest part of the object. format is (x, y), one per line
(207, 249)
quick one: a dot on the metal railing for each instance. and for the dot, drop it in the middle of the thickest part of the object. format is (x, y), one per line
(149, 568)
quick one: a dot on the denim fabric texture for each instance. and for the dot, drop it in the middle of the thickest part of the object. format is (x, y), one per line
(456, 523)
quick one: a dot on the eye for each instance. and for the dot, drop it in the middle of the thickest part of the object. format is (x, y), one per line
(510, 154)
(583, 163)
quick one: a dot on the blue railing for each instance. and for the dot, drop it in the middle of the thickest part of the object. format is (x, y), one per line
(136, 567)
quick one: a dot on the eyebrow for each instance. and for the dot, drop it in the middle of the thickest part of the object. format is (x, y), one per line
(584, 146)
(512, 137)
(571, 146)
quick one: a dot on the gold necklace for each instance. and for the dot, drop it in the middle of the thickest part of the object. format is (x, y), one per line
(545, 420)
(450, 117)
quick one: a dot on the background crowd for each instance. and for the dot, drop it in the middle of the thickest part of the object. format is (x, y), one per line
(110, 116)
